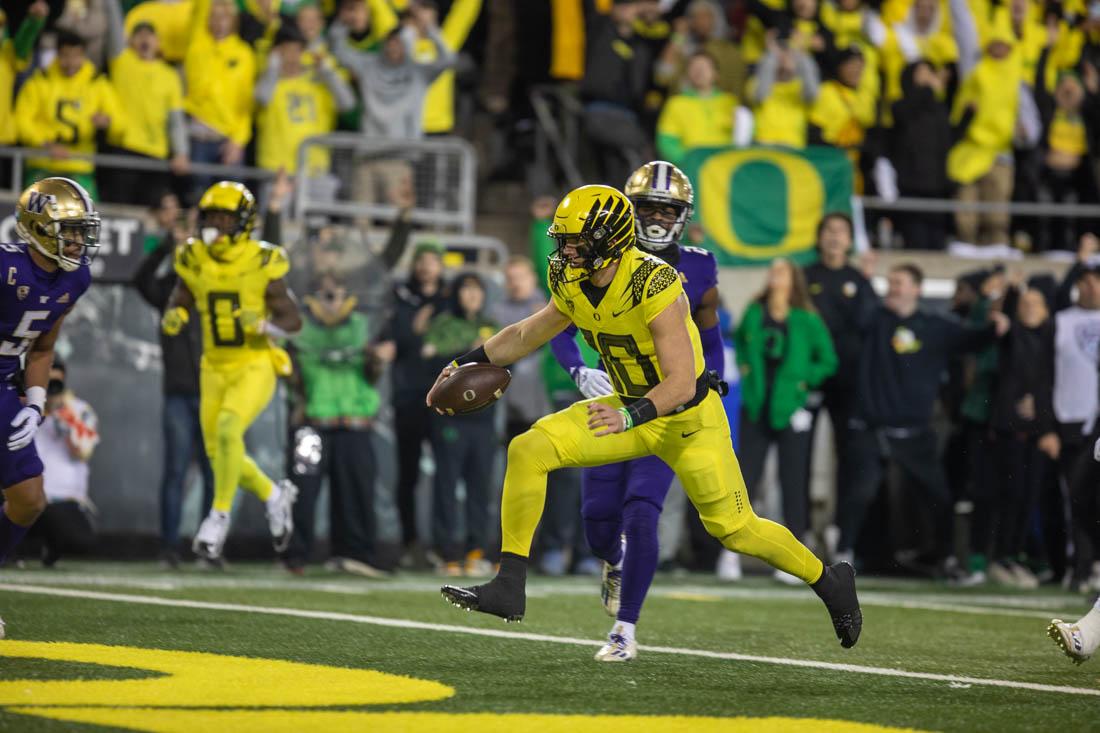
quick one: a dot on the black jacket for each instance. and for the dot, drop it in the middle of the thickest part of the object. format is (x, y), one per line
(845, 301)
(920, 140)
(155, 279)
(1026, 367)
(903, 363)
(412, 374)
(617, 69)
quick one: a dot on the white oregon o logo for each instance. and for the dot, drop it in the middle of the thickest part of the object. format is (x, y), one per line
(469, 395)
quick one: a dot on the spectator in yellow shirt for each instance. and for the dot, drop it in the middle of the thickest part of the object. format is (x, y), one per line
(369, 22)
(981, 162)
(151, 96)
(783, 90)
(845, 108)
(63, 108)
(219, 74)
(15, 54)
(296, 101)
(700, 116)
(439, 105)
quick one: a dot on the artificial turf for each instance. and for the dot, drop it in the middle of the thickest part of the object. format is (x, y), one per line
(986, 633)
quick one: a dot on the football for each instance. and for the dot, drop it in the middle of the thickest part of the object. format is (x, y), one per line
(471, 387)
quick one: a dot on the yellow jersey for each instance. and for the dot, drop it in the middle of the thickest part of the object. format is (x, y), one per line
(615, 320)
(220, 78)
(54, 108)
(300, 107)
(148, 91)
(223, 289)
(781, 118)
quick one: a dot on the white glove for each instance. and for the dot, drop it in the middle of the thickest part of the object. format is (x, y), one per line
(26, 425)
(592, 382)
(1096, 450)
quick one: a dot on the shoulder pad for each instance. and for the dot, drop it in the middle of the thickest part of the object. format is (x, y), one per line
(555, 275)
(663, 277)
(273, 260)
(187, 255)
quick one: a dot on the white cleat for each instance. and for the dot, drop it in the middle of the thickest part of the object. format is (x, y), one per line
(1071, 640)
(729, 566)
(280, 514)
(617, 649)
(210, 539)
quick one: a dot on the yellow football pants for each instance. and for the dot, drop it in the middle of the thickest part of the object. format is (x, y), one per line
(231, 397)
(696, 444)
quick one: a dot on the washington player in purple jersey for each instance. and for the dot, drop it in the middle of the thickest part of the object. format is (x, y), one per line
(627, 498)
(40, 280)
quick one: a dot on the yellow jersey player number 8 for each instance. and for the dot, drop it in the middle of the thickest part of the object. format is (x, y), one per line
(235, 284)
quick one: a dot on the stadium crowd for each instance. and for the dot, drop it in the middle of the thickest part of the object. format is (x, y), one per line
(977, 100)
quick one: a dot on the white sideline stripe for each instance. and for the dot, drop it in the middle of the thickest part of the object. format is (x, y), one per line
(424, 626)
(966, 604)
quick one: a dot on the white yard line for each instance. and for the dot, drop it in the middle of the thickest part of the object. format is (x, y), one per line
(1039, 607)
(516, 635)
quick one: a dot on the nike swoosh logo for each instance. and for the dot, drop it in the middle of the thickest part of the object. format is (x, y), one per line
(688, 435)
(616, 314)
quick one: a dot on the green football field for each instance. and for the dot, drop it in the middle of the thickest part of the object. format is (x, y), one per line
(94, 646)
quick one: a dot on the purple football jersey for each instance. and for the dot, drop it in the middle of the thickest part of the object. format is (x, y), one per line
(698, 272)
(31, 301)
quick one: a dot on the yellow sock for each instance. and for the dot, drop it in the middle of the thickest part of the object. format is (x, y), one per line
(255, 480)
(529, 457)
(227, 459)
(774, 544)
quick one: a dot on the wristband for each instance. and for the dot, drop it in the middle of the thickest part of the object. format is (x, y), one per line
(628, 421)
(640, 411)
(477, 356)
(36, 398)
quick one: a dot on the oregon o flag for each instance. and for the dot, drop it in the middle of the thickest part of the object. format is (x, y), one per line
(760, 203)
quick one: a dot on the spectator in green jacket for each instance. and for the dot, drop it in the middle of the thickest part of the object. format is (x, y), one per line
(465, 446)
(335, 406)
(783, 350)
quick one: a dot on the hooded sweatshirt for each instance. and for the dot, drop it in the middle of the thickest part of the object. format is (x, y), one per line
(920, 139)
(393, 94)
(54, 108)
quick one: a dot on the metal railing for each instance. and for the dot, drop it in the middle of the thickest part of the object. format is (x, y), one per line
(559, 138)
(442, 172)
(951, 206)
(19, 156)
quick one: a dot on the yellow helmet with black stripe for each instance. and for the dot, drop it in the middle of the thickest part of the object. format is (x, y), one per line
(56, 214)
(597, 223)
(227, 216)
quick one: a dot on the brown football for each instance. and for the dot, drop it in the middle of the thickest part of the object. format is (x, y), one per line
(471, 387)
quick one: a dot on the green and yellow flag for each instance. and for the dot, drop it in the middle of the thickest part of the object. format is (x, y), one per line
(760, 203)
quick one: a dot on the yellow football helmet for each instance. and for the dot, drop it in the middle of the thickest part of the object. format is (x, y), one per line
(227, 216)
(660, 183)
(599, 222)
(52, 214)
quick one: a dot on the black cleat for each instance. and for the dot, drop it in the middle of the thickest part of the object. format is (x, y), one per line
(837, 588)
(499, 597)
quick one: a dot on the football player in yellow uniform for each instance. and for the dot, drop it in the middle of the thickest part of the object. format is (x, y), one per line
(236, 285)
(630, 306)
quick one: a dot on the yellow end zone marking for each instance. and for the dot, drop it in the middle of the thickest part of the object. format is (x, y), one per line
(219, 684)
